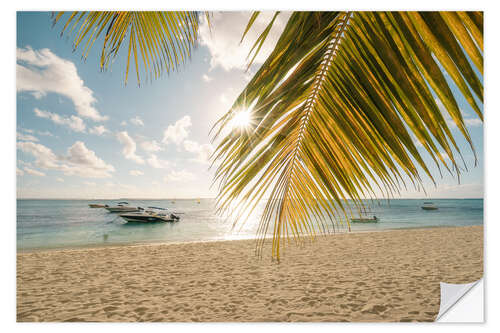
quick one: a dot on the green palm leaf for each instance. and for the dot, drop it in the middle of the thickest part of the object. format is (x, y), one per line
(162, 40)
(335, 109)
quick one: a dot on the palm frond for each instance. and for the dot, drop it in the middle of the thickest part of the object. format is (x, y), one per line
(336, 109)
(164, 40)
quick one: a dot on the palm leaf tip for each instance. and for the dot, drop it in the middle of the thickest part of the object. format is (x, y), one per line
(157, 42)
(338, 105)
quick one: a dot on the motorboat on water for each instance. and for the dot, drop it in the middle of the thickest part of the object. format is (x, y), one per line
(152, 214)
(429, 206)
(121, 207)
(373, 219)
(364, 212)
(97, 206)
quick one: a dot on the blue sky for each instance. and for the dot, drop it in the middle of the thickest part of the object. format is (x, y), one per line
(83, 134)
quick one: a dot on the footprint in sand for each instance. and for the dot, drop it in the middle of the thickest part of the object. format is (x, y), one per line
(140, 310)
(377, 309)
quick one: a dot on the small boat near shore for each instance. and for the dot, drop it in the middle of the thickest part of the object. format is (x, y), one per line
(373, 219)
(97, 206)
(429, 206)
(364, 212)
(150, 215)
(121, 207)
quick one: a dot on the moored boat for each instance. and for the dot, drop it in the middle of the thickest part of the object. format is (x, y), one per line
(121, 207)
(149, 216)
(96, 206)
(429, 206)
(373, 219)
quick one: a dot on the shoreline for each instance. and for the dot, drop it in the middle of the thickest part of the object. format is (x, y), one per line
(362, 277)
(158, 243)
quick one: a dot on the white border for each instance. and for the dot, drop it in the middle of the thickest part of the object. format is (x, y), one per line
(7, 133)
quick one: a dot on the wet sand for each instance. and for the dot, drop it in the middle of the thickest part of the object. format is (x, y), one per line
(373, 276)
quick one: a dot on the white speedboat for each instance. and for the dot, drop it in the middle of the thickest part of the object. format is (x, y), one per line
(121, 207)
(97, 206)
(150, 215)
(429, 206)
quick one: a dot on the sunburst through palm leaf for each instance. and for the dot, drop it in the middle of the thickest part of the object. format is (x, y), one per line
(338, 109)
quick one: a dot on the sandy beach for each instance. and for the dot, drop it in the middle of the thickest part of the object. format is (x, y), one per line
(372, 276)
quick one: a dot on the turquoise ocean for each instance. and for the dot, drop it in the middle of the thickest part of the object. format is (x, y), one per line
(48, 224)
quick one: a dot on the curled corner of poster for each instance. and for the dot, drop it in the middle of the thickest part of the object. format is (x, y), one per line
(461, 303)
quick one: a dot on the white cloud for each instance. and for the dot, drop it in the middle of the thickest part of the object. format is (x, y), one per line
(224, 45)
(19, 172)
(136, 173)
(451, 123)
(85, 163)
(90, 183)
(178, 132)
(207, 78)
(123, 123)
(73, 122)
(26, 137)
(129, 147)
(178, 176)
(33, 172)
(157, 163)
(150, 146)
(473, 122)
(79, 161)
(30, 131)
(228, 97)
(44, 157)
(46, 133)
(59, 179)
(137, 121)
(98, 130)
(41, 72)
(203, 151)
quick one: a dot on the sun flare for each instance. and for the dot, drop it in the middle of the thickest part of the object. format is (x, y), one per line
(241, 119)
